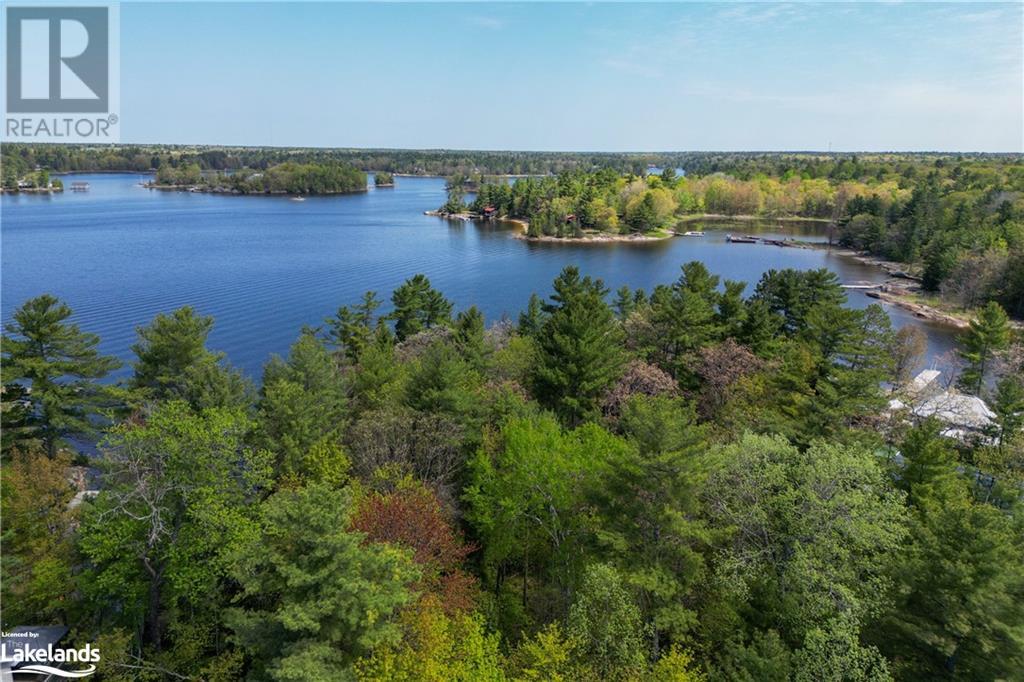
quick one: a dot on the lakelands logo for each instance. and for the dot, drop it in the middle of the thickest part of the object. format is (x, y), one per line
(24, 659)
(61, 73)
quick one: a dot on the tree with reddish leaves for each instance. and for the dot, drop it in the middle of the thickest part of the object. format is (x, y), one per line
(411, 516)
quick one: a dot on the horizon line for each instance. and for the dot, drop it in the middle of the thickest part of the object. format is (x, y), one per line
(516, 151)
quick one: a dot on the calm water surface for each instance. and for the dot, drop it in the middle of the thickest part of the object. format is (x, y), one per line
(265, 266)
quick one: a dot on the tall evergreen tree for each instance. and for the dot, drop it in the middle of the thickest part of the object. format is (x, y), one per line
(469, 337)
(649, 508)
(418, 306)
(793, 293)
(167, 349)
(351, 329)
(959, 612)
(580, 351)
(302, 410)
(987, 335)
(625, 302)
(62, 364)
(531, 320)
(686, 319)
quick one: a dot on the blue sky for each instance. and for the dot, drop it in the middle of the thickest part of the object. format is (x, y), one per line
(688, 76)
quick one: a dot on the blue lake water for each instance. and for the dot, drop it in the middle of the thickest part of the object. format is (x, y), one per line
(265, 266)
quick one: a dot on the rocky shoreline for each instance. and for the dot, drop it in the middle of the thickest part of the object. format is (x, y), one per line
(588, 238)
(902, 297)
(903, 289)
(198, 189)
(596, 238)
(32, 190)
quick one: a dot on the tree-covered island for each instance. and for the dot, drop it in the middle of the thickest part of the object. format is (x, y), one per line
(383, 179)
(283, 178)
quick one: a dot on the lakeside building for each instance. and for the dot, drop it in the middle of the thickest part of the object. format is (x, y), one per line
(964, 417)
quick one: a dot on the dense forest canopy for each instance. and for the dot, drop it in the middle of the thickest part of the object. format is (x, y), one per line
(744, 165)
(694, 482)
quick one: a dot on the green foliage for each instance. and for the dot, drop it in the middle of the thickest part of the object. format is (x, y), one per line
(469, 337)
(650, 513)
(765, 658)
(1008, 404)
(606, 624)
(549, 655)
(314, 598)
(351, 330)
(960, 577)
(684, 320)
(436, 648)
(444, 380)
(173, 363)
(794, 293)
(418, 306)
(302, 412)
(378, 380)
(987, 335)
(813, 534)
(174, 506)
(528, 493)
(37, 544)
(579, 348)
(531, 320)
(327, 177)
(62, 364)
(833, 654)
(167, 348)
(623, 534)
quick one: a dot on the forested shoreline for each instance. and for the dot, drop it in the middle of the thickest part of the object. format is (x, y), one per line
(694, 482)
(959, 228)
(282, 178)
(955, 221)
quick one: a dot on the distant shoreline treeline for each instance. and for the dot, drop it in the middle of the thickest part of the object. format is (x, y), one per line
(20, 158)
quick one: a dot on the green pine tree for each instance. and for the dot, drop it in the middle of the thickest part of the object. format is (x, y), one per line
(315, 597)
(987, 335)
(580, 352)
(351, 329)
(418, 306)
(166, 349)
(61, 365)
